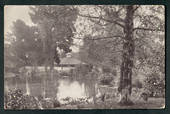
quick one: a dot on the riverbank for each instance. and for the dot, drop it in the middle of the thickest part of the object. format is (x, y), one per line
(18, 100)
(152, 103)
(78, 94)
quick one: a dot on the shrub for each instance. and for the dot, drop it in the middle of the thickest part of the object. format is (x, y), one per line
(56, 103)
(15, 99)
(106, 79)
(31, 102)
(82, 70)
(50, 103)
(137, 84)
(111, 70)
(47, 104)
(64, 73)
(155, 84)
(145, 96)
(106, 70)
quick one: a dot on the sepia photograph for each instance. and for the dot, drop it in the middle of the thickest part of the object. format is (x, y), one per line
(84, 57)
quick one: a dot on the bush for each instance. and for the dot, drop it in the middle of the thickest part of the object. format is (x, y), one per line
(106, 70)
(64, 73)
(31, 102)
(15, 99)
(56, 103)
(82, 70)
(145, 96)
(155, 84)
(111, 70)
(137, 84)
(47, 104)
(106, 79)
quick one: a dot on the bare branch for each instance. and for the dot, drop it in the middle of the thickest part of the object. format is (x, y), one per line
(99, 23)
(109, 37)
(149, 29)
(101, 18)
(102, 38)
(135, 8)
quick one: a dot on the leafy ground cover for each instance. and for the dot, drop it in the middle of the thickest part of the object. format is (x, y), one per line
(17, 100)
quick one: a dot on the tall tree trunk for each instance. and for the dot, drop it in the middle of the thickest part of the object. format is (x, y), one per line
(48, 49)
(43, 28)
(52, 48)
(127, 59)
(44, 81)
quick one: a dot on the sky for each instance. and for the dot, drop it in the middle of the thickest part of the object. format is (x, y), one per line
(12, 13)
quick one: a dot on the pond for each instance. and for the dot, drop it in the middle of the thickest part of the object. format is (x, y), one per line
(70, 88)
(60, 88)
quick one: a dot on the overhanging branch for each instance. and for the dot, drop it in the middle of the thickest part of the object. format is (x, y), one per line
(135, 8)
(102, 38)
(103, 19)
(148, 29)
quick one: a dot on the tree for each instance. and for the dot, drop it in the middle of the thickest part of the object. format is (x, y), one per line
(23, 48)
(56, 28)
(133, 26)
(24, 45)
(10, 60)
(100, 53)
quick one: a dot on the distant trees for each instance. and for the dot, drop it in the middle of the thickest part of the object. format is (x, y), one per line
(24, 44)
(43, 43)
(56, 29)
(53, 32)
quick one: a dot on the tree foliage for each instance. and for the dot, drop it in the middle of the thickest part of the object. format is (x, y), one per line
(55, 25)
(25, 46)
(111, 27)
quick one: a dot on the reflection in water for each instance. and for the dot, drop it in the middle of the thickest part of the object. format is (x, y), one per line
(27, 87)
(68, 88)
(62, 88)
